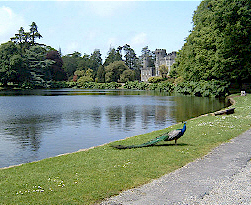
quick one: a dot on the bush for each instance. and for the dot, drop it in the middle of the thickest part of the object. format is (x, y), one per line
(136, 85)
(155, 79)
(143, 86)
(112, 85)
(57, 84)
(214, 88)
(153, 86)
(178, 80)
(131, 85)
(166, 86)
(71, 84)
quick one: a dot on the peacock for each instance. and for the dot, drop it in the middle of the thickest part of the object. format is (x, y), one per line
(169, 136)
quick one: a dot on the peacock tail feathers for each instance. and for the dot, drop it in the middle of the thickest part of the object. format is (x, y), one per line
(172, 135)
(146, 144)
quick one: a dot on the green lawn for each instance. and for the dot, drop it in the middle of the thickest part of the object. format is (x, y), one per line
(89, 176)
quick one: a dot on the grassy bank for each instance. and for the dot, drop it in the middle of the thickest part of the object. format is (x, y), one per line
(89, 176)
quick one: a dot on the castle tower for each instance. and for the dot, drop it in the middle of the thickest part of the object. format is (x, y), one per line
(170, 59)
(160, 59)
(146, 71)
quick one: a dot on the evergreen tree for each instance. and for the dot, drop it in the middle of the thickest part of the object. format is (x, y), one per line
(101, 74)
(34, 33)
(85, 63)
(149, 55)
(95, 61)
(130, 57)
(113, 55)
(27, 39)
(38, 66)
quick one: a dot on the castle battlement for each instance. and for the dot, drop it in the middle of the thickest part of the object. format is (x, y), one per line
(160, 49)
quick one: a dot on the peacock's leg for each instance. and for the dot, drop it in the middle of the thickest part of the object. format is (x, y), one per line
(175, 141)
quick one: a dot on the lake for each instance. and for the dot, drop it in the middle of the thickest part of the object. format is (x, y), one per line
(37, 124)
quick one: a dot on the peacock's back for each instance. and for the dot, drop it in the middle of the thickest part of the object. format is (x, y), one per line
(175, 134)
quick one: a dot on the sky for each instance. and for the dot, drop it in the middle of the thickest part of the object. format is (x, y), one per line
(84, 26)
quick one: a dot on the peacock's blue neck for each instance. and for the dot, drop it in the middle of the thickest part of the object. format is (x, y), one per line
(184, 128)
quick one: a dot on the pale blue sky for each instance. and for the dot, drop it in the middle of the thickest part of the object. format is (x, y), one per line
(87, 25)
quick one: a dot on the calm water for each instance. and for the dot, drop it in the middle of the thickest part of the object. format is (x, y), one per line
(44, 123)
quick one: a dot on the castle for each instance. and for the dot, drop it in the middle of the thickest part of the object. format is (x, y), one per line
(161, 58)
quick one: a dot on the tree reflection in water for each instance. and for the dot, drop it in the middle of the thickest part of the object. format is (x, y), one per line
(35, 125)
(27, 131)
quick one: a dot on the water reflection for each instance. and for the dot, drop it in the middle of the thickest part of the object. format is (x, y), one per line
(187, 107)
(39, 124)
(26, 131)
(130, 116)
(114, 115)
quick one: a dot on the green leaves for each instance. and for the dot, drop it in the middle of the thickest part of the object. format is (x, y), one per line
(27, 39)
(203, 88)
(114, 70)
(219, 44)
(12, 65)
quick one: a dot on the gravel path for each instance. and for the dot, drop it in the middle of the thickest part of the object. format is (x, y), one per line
(221, 177)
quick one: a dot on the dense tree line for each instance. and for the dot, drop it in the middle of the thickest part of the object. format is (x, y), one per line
(120, 65)
(219, 45)
(28, 64)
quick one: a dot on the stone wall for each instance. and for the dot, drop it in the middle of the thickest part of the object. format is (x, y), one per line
(162, 58)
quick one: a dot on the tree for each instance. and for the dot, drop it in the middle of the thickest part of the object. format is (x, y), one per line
(79, 73)
(127, 75)
(219, 46)
(38, 66)
(145, 52)
(101, 74)
(163, 69)
(85, 62)
(34, 33)
(71, 63)
(27, 39)
(12, 64)
(130, 57)
(21, 38)
(57, 72)
(113, 55)
(114, 70)
(149, 55)
(84, 76)
(95, 61)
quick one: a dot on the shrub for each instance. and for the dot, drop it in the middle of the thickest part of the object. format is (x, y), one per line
(153, 86)
(155, 79)
(112, 85)
(214, 88)
(178, 80)
(166, 86)
(143, 86)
